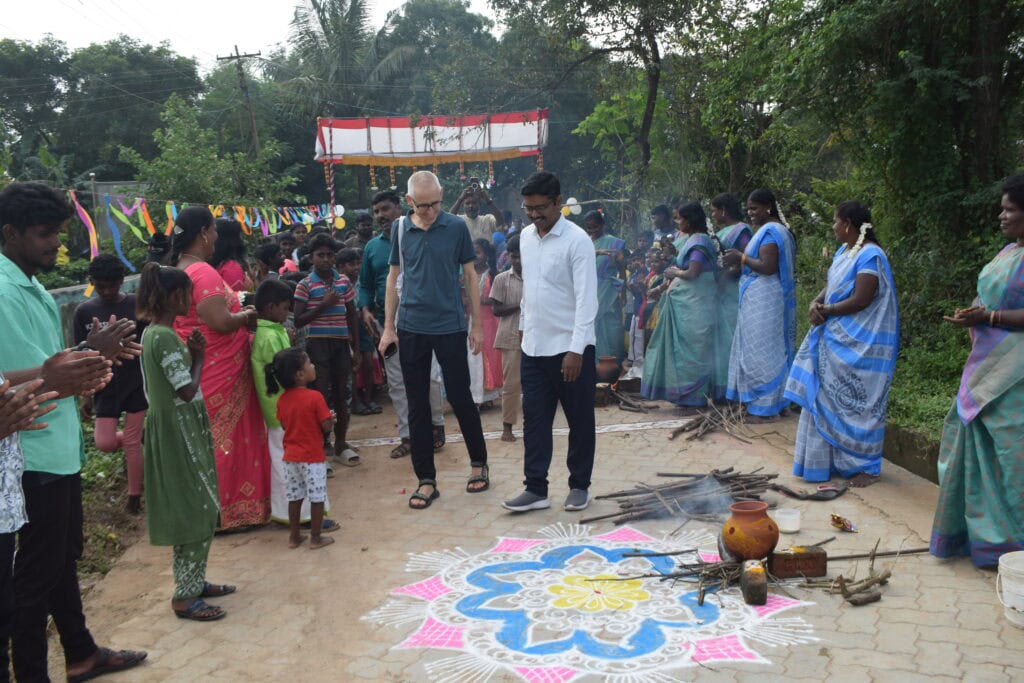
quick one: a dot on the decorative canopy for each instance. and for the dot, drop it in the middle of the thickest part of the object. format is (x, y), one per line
(411, 141)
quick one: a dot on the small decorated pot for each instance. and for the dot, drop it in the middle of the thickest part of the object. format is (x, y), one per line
(750, 534)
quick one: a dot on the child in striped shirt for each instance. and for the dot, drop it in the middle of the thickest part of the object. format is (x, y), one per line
(325, 305)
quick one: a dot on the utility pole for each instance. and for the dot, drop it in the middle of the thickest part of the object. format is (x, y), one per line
(244, 86)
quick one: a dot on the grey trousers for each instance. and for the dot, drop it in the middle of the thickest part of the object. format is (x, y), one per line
(396, 389)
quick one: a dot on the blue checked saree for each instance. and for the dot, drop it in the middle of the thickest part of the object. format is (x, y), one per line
(764, 342)
(842, 373)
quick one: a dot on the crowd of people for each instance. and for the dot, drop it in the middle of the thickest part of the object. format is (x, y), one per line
(244, 371)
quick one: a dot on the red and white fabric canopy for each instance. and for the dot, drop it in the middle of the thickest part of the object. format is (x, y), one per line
(410, 141)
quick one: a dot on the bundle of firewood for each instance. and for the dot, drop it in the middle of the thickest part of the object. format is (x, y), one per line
(729, 419)
(703, 496)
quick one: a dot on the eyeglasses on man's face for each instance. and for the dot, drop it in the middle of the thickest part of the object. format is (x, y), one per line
(427, 206)
(537, 208)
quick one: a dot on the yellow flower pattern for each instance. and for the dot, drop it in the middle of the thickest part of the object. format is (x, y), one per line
(596, 593)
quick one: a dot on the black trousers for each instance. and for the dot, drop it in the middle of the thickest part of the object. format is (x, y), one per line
(46, 575)
(415, 351)
(543, 390)
(6, 603)
(332, 358)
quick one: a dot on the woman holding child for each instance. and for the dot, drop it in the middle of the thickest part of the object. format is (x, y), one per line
(236, 422)
(679, 362)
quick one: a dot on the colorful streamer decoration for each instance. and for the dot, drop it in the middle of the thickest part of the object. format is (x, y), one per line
(123, 214)
(172, 215)
(145, 216)
(83, 215)
(116, 234)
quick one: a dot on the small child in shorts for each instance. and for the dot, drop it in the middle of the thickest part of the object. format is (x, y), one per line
(305, 417)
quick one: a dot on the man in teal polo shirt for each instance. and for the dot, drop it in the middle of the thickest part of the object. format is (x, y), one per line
(32, 216)
(373, 281)
(430, 250)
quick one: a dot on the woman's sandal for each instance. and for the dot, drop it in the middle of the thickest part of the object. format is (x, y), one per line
(484, 477)
(199, 610)
(439, 439)
(211, 590)
(427, 499)
(401, 450)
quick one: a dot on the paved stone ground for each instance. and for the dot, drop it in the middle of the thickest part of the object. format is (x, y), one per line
(297, 614)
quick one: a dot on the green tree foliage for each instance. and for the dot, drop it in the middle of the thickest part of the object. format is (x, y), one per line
(116, 91)
(189, 167)
(631, 30)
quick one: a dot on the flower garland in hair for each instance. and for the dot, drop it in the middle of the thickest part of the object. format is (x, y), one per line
(714, 240)
(864, 227)
(782, 218)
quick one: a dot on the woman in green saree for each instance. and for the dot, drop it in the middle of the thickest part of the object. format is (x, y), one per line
(680, 360)
(611, 270)
(981, 462)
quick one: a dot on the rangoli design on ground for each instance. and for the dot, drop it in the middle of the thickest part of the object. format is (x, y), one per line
(550, 610)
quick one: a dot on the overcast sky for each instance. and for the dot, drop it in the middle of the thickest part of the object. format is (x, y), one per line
(202, 29)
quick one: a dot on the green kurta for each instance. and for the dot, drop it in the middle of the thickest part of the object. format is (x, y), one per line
(182, 504)
(270, 338)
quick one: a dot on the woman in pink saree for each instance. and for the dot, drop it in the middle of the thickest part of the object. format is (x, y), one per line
(239, 435)
(486, 268)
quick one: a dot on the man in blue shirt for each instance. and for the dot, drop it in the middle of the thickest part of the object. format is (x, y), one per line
(32, 217)
(429, 251)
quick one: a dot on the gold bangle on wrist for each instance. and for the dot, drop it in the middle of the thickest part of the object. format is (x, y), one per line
(992, 319)
(743, 260)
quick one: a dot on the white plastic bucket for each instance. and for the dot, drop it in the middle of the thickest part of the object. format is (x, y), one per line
(1010, 587)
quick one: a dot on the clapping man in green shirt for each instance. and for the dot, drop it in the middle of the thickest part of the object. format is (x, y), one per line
(32, 217)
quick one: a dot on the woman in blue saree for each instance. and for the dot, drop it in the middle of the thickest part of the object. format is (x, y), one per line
(843, 370)
(764, 342)
(680, 359)
(733, 234)
(980, 510)
(611, 270)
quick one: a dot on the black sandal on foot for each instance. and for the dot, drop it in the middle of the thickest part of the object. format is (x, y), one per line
(484, 477)
(401, 450)
(427, 500)
(211, 590)
(439, 439)
(199, 610)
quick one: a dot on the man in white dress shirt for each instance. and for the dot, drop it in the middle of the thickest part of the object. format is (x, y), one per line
(557, 319)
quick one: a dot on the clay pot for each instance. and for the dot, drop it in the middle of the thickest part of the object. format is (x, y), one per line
(607, 369)
(750, 534)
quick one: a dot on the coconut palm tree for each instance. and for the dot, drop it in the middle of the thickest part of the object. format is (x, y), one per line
(337, 62)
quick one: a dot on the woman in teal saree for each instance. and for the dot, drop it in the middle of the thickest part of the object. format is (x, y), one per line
(680, 360)
(609, 327)
(980, 511)
(733, 234)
